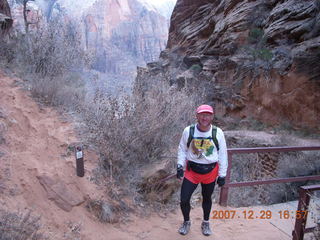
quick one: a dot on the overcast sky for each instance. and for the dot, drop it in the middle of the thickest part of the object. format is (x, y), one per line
(159, 2)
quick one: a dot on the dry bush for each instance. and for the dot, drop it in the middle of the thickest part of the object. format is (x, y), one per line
(132, 132)
(19, 226)
(56, 58)
(110, 211)
(51, 58)
(74, 231)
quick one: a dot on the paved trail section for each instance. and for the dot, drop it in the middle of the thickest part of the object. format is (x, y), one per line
(37, 172)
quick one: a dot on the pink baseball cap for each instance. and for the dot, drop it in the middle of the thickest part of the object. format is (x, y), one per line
(205, 109)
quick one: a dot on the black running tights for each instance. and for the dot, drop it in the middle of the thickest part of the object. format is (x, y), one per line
(186, 191)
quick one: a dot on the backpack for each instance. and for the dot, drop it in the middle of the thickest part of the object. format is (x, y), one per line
(213, 136)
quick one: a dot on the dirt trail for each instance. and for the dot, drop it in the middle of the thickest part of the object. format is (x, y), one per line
(36, 141)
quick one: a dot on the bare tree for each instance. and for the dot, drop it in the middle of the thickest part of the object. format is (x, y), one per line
(47, 7)
(50, 5)
(26, 12)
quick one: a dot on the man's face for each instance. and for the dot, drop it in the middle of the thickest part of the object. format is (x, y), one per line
(204, 119)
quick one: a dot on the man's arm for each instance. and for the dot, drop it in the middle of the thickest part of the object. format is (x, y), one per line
(222, 154)
(182, 149)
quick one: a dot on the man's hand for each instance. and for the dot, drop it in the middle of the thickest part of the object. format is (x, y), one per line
(221, 181)
(179, 171)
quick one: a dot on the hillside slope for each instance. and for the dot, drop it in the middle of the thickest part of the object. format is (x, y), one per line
(34, 151)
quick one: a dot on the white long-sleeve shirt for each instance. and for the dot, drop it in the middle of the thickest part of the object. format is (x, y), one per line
(202, 150)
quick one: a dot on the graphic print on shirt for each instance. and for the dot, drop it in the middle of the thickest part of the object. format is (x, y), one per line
(202, 147)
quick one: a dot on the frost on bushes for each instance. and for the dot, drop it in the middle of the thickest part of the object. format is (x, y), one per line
(18, 225)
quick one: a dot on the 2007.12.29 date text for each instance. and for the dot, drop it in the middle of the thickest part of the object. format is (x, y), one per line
(262, 214)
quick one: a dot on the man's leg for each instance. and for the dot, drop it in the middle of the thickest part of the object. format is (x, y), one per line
(187, 189)
(207, 190)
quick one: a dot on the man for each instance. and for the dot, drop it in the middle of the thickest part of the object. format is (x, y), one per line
(202, 153)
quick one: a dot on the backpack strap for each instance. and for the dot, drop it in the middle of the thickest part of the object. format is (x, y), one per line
(191, 133)
(213, 136)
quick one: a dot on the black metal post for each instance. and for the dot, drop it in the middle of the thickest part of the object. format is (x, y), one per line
(79, 162)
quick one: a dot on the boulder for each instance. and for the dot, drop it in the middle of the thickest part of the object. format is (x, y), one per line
(64, 195)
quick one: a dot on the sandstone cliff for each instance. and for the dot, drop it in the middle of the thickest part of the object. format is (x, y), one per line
(253, 58)
(124, 34)
(118, 34)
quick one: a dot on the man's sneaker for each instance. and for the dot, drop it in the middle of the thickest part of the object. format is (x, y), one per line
(205, 227)
(185, 227)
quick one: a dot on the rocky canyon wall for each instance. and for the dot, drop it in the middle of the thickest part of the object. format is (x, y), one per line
(254, 58)
(124, 34)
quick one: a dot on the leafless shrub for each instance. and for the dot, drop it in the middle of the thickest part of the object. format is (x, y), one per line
(51, 58)
(19, 226)
(108, 211)
(74, 231)
(132, 132)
